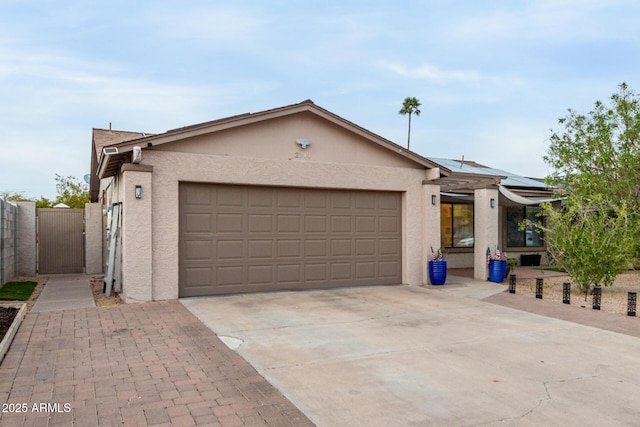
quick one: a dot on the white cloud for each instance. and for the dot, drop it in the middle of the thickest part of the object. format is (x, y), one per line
(437, 75)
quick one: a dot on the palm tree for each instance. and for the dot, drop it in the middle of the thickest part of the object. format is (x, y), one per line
(410, 106)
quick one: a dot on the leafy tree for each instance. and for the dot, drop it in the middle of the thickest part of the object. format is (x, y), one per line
(14, 196)
(42, 202)
(595, 159)
(592, 239)
(410, 105)
(599, 153)
(71, 191)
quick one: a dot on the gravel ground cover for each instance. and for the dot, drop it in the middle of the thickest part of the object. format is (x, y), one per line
(614, 298)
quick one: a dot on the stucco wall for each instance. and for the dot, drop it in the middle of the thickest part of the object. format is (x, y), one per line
(93, 238)
(137, 237)
(171, 168)
(275, 139)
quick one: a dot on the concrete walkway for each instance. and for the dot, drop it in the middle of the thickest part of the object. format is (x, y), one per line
(404, 355)
(64, 292)
(133, 365)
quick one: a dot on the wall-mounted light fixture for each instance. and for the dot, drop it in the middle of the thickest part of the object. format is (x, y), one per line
(138, 192)
(492, 202)
(433, 199)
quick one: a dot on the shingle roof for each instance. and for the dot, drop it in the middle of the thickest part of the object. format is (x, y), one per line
(100, 139)
(104, 137)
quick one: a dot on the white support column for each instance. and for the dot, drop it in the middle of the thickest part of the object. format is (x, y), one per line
(486, 227)
(137, 249)
(431, 226)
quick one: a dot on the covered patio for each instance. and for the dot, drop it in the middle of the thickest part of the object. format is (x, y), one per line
(482, 207)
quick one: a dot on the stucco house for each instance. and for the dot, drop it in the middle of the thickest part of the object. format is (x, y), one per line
(290, 198)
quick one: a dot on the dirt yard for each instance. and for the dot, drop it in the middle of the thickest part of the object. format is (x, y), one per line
(614, 298)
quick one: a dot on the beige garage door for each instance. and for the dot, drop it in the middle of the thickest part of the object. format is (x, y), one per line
(236, 239)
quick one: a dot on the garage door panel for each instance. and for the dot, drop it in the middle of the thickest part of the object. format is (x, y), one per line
(289, 273)
(230, 250)
(289, 223)
(389, 224)
(389, 246)
(341, 200)
(365, 247)
(341, 223)
(230, 275)
(317, 200)
(228, 223)
(260, 274)
(198, 276)
(389, 268)
(315, 224)
(341, 271)
(260, 223)
(289, 198)
(289, 249)
(365, 224)
(196, 250)
(258, 198)
(366, 270)
(315, 272)
(236, 239)
(315, 248)
(200, 195)
(341, 247)
(365, 201)
(198, 222)
(260, 249)
(388, 204)
(228, 197)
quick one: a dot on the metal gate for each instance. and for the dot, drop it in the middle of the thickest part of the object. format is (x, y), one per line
(60, 241)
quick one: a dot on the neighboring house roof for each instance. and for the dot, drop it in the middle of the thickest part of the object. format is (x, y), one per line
(109, 164)
(100, 139)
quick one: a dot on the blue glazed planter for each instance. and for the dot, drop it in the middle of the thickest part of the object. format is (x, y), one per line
(437, 272)
(497, 270)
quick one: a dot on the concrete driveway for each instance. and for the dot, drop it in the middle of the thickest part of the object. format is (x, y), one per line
(402, 356)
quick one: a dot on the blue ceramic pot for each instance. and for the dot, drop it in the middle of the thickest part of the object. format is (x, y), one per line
(437, 272)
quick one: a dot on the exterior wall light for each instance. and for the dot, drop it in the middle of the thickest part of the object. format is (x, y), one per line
(492, 202)
(138, 192)
(433, 199)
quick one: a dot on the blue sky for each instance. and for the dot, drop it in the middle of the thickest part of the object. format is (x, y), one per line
(493, 76)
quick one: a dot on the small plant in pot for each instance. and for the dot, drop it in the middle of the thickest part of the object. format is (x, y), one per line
(438, 267)
(497, 265)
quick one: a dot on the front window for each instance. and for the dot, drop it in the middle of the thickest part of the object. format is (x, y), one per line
(527, 237)
(456, 225)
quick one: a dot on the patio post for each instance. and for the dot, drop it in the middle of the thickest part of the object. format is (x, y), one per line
(485, 228)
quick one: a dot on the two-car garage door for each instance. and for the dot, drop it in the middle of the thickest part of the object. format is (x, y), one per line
(236, 239)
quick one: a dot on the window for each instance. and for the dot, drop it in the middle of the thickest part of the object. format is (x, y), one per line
(456, 225)
(527, 237)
